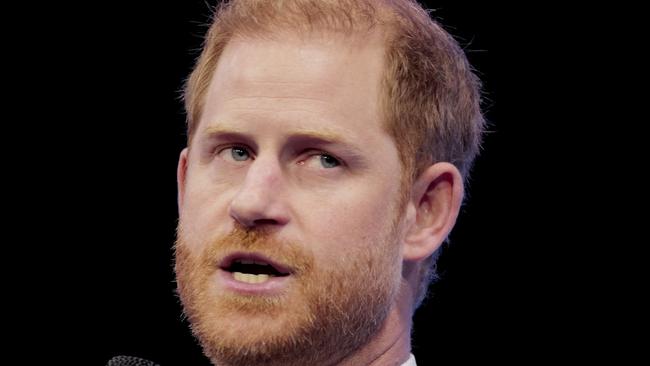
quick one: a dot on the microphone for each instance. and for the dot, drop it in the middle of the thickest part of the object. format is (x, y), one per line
(129, 361)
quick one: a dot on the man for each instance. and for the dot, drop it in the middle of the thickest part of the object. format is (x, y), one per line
(328, 142)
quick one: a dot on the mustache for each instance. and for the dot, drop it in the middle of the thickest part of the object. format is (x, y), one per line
(290, 254)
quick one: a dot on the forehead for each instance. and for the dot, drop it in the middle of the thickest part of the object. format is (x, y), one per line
(326, 79)
(327, 59)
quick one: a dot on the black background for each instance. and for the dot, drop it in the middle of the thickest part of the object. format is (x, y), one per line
(105, 127)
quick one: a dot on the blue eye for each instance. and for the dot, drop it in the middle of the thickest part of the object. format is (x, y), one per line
(328, 161)
(234, 153)
(239, 153)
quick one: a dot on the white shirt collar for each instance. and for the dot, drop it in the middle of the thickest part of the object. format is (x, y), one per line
(410, 361)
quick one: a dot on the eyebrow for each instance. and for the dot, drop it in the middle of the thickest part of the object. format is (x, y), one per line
(324, 135)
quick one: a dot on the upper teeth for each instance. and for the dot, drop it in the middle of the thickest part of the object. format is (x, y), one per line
(250, 278)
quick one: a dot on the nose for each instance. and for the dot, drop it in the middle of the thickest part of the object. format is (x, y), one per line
(259, 201)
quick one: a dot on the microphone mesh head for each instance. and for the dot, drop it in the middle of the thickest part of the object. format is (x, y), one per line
(129, 361)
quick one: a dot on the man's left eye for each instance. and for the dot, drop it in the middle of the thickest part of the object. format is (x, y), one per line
(328, 161)
(320, 160)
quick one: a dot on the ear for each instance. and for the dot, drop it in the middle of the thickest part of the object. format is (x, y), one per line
(436, 197)
(181, 176)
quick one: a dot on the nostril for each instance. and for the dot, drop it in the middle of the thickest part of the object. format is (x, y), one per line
(254, 210)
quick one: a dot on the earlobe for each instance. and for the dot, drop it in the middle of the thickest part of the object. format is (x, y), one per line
(437, 196)
(181, 176)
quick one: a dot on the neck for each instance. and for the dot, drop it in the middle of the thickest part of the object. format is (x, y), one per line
(392, 344)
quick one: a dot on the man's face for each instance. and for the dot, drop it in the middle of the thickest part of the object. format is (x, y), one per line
(289, 247)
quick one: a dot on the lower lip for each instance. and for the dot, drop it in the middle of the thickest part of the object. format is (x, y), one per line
(274, 285)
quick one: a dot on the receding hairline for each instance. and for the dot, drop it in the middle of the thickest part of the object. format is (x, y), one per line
(372, 19)
(352, 42)
(352, 18)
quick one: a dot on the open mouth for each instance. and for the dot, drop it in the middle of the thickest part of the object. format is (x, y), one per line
(251, 268)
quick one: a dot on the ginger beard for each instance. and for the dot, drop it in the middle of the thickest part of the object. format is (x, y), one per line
(328, 311)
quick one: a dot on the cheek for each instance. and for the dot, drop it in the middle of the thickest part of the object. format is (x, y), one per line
(356, 219)
(205, 212)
